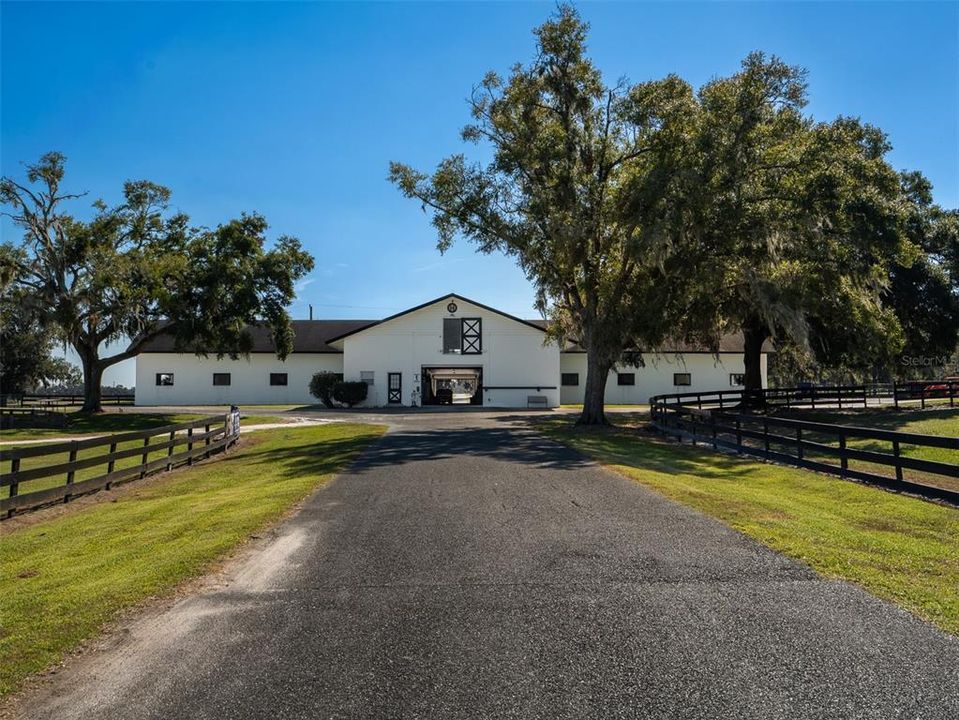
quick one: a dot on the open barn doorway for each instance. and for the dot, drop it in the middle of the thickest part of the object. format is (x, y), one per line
(452, 386)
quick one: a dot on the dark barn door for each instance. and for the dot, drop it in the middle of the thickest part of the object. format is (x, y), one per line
(394, 387)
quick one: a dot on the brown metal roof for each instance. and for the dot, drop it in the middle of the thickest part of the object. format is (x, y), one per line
(309, 336)
(313, 336)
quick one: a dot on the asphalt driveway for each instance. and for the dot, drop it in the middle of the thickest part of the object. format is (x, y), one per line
(477, 570)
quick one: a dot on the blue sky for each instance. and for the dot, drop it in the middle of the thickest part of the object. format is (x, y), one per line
(295, 110)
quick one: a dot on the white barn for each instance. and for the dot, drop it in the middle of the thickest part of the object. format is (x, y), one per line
(451, 349)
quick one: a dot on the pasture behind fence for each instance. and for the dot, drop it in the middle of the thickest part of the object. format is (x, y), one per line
(883, 456)
(36, 475)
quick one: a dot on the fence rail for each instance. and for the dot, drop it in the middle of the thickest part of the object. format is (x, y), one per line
(835, 396)
(38, 417)
(44, 465)
(702, 417)
(923, 390)
(54, 400)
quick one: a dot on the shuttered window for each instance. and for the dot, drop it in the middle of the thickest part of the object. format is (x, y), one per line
(221, 378)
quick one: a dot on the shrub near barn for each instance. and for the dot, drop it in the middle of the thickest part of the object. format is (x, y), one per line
(350, 393)
(321, 387)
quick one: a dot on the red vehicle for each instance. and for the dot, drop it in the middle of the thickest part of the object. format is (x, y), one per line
(947, 387)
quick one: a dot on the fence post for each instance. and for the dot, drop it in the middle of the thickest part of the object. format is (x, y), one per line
(799, 454)
(896, 454)
(110, 465)
(169, 450)
(739, 436)
(839, 396)
(71, 473)
(766, 434)
(189, 445)
(207, 442)
(952, 394)
(895, 394)
(14, 486)
(843, 460)
(712, 420)
(143, 458)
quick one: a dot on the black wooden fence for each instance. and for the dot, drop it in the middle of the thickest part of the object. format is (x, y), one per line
(826, 447)
(834, 396)
(926, 390)
(36, 475)
(56, 401)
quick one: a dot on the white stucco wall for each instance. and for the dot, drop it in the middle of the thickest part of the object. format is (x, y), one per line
(250, 379)
(514, 359)
(513, 355)
(706, 370)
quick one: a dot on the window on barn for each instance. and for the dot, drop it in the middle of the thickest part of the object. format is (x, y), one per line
(368, 376)
(221, 378)
(625, 378)
(278, 379)
(682, 379)
(737, 379)
(452, 335)
(463, 336)
(569, 379)
(165, 379)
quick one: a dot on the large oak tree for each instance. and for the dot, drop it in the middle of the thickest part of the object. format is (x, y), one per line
(647, 211)
(798, 223)
(584, 190)
(135, 271)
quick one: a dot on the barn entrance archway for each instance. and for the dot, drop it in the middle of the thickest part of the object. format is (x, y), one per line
(452, 385)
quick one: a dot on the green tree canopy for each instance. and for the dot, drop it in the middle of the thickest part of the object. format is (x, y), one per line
(643, 211)
(26, 351)
(925, 294)
(581, 191)
(135, 271)
(798, 223)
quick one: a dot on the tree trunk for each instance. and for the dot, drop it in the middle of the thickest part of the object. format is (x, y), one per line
(92, 382)
(754, 335)
(594, 399)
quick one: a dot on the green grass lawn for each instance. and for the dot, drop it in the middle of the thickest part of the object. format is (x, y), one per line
(944, 422)
(61, 579)
(899, 548)
(941, 421)
(114, 422)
